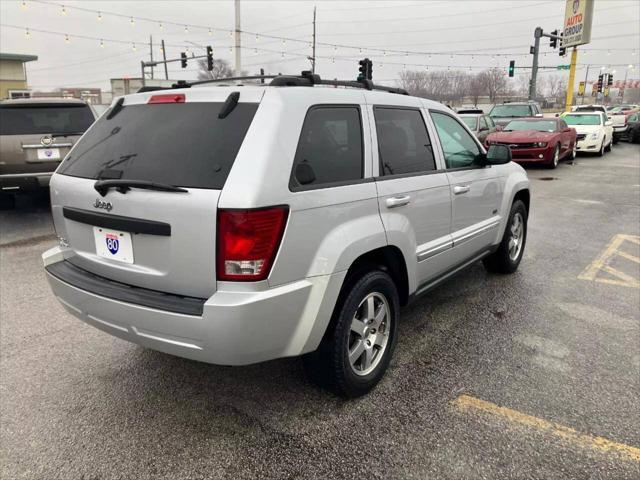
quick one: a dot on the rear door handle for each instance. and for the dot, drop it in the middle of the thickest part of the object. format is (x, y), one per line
(459, 189)
(398, 201)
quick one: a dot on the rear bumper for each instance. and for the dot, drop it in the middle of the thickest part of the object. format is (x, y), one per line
(237, 327)
(24, 181)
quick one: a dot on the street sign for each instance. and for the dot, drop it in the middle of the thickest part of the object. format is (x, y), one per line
(581, 87)
(563, 67)
(606, 91)
(578, 15)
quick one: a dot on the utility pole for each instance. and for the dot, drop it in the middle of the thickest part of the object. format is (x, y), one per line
(572, 78)
(142, 65)
(164, 57)
(534, 67)
(238, 66)
(151, 52)
(586, 78)
(313, 51)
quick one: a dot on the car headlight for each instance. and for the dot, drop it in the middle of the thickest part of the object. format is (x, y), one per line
(541, 144)
(594, 136)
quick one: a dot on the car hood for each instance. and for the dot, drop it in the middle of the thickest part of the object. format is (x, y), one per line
(586, 128)
(522, 136)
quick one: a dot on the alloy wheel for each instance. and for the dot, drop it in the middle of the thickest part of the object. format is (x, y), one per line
(516, 238)
(369, 335)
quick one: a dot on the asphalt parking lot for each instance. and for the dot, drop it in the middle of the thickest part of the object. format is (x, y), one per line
(534, 375)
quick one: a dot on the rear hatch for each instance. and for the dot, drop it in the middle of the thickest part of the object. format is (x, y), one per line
(161, 237)
(35, 137)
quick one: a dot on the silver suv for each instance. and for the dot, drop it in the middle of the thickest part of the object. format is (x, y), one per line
(238, 224)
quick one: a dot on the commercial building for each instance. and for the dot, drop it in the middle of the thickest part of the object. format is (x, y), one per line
(13, 75)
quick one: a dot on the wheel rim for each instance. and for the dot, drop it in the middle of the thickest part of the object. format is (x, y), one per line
(517, 236)
(556, 156)
(369, 335)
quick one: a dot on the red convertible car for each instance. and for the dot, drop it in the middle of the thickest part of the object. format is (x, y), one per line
(537, 140)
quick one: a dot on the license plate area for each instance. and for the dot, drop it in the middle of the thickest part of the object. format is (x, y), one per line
(113, 244)
(48, 154)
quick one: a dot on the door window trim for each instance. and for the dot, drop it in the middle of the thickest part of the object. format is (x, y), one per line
(295, 187)
(457, 169)
(380, 178)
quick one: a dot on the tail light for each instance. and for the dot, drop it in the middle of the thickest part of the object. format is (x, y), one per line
(248, 241)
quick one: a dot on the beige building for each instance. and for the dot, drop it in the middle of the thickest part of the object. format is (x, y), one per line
(13, 75)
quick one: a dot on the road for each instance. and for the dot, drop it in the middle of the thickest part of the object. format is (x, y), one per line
(533, 375)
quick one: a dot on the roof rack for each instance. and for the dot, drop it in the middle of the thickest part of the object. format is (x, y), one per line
(305, 79)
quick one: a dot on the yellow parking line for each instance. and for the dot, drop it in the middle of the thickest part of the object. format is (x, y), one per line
(601, 263)
(468, 403)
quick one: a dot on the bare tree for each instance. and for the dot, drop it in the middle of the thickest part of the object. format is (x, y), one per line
(221, 69)
(416, 83)
(495, 82)
(556, 87)
(477, 88)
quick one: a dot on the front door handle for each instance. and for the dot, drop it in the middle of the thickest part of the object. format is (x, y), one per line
(459, 189)
(398, 201)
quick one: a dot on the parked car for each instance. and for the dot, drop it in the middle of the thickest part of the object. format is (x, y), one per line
(478, 122)
(504, 113)
(35, 135)
(238, 224)
(619, 116)
(595, 131)
(632, 133)
(543, 141)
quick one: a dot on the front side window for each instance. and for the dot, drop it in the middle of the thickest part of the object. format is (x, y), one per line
(403, 142)
(460, 149)
(330, 147)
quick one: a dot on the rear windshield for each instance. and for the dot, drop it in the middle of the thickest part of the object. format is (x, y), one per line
(181, 144)
(44, 119)
(511, 111)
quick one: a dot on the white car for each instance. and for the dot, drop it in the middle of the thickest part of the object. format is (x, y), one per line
(595, 131)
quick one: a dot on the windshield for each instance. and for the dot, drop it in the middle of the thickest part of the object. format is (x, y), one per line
(511, 111)
(181, 144)
(582, 119)
(471, 122)
(44, 119)
(541, 126)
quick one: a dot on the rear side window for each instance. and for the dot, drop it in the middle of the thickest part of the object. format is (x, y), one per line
(44, 119)
(181, 144)
(330, 147)
(403, 142)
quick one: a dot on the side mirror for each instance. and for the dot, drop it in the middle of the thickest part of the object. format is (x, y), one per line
(498, 155)
(557, 115)
(568, 129)
(305, 174)
(483, 129)
(608, 123)
(499, 128)
(538, 115)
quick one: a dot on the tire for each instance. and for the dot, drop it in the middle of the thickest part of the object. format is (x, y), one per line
(330, 365)
(635, 137)
(555, 160)
(602, 149)
(610, 146)
(7, 201)
(574, 152)
(506, 259)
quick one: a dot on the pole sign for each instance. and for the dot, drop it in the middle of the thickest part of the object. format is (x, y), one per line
(578, 16)
(563, 67)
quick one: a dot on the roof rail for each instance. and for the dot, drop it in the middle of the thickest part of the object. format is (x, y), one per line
(305, 79)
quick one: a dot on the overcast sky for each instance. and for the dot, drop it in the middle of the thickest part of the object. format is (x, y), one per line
(431, 29)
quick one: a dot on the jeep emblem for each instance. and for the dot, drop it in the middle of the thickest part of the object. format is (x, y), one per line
(104, 205)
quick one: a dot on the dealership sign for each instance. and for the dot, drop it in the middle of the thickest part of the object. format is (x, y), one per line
(578, 15)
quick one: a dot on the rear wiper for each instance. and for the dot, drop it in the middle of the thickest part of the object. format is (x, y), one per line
(54, 135)
(123, 186)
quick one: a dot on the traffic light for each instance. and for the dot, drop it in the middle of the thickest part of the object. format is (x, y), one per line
(562, 50)
(512, 67)
(600, 81)
(365, 70)
(183, 59)
(209, 58)
(610, 80)
(553, 42)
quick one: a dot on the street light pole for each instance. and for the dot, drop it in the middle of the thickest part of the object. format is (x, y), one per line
(584, 92)
(534, 66)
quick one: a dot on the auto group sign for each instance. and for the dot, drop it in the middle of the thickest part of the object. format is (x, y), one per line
(578, 15)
